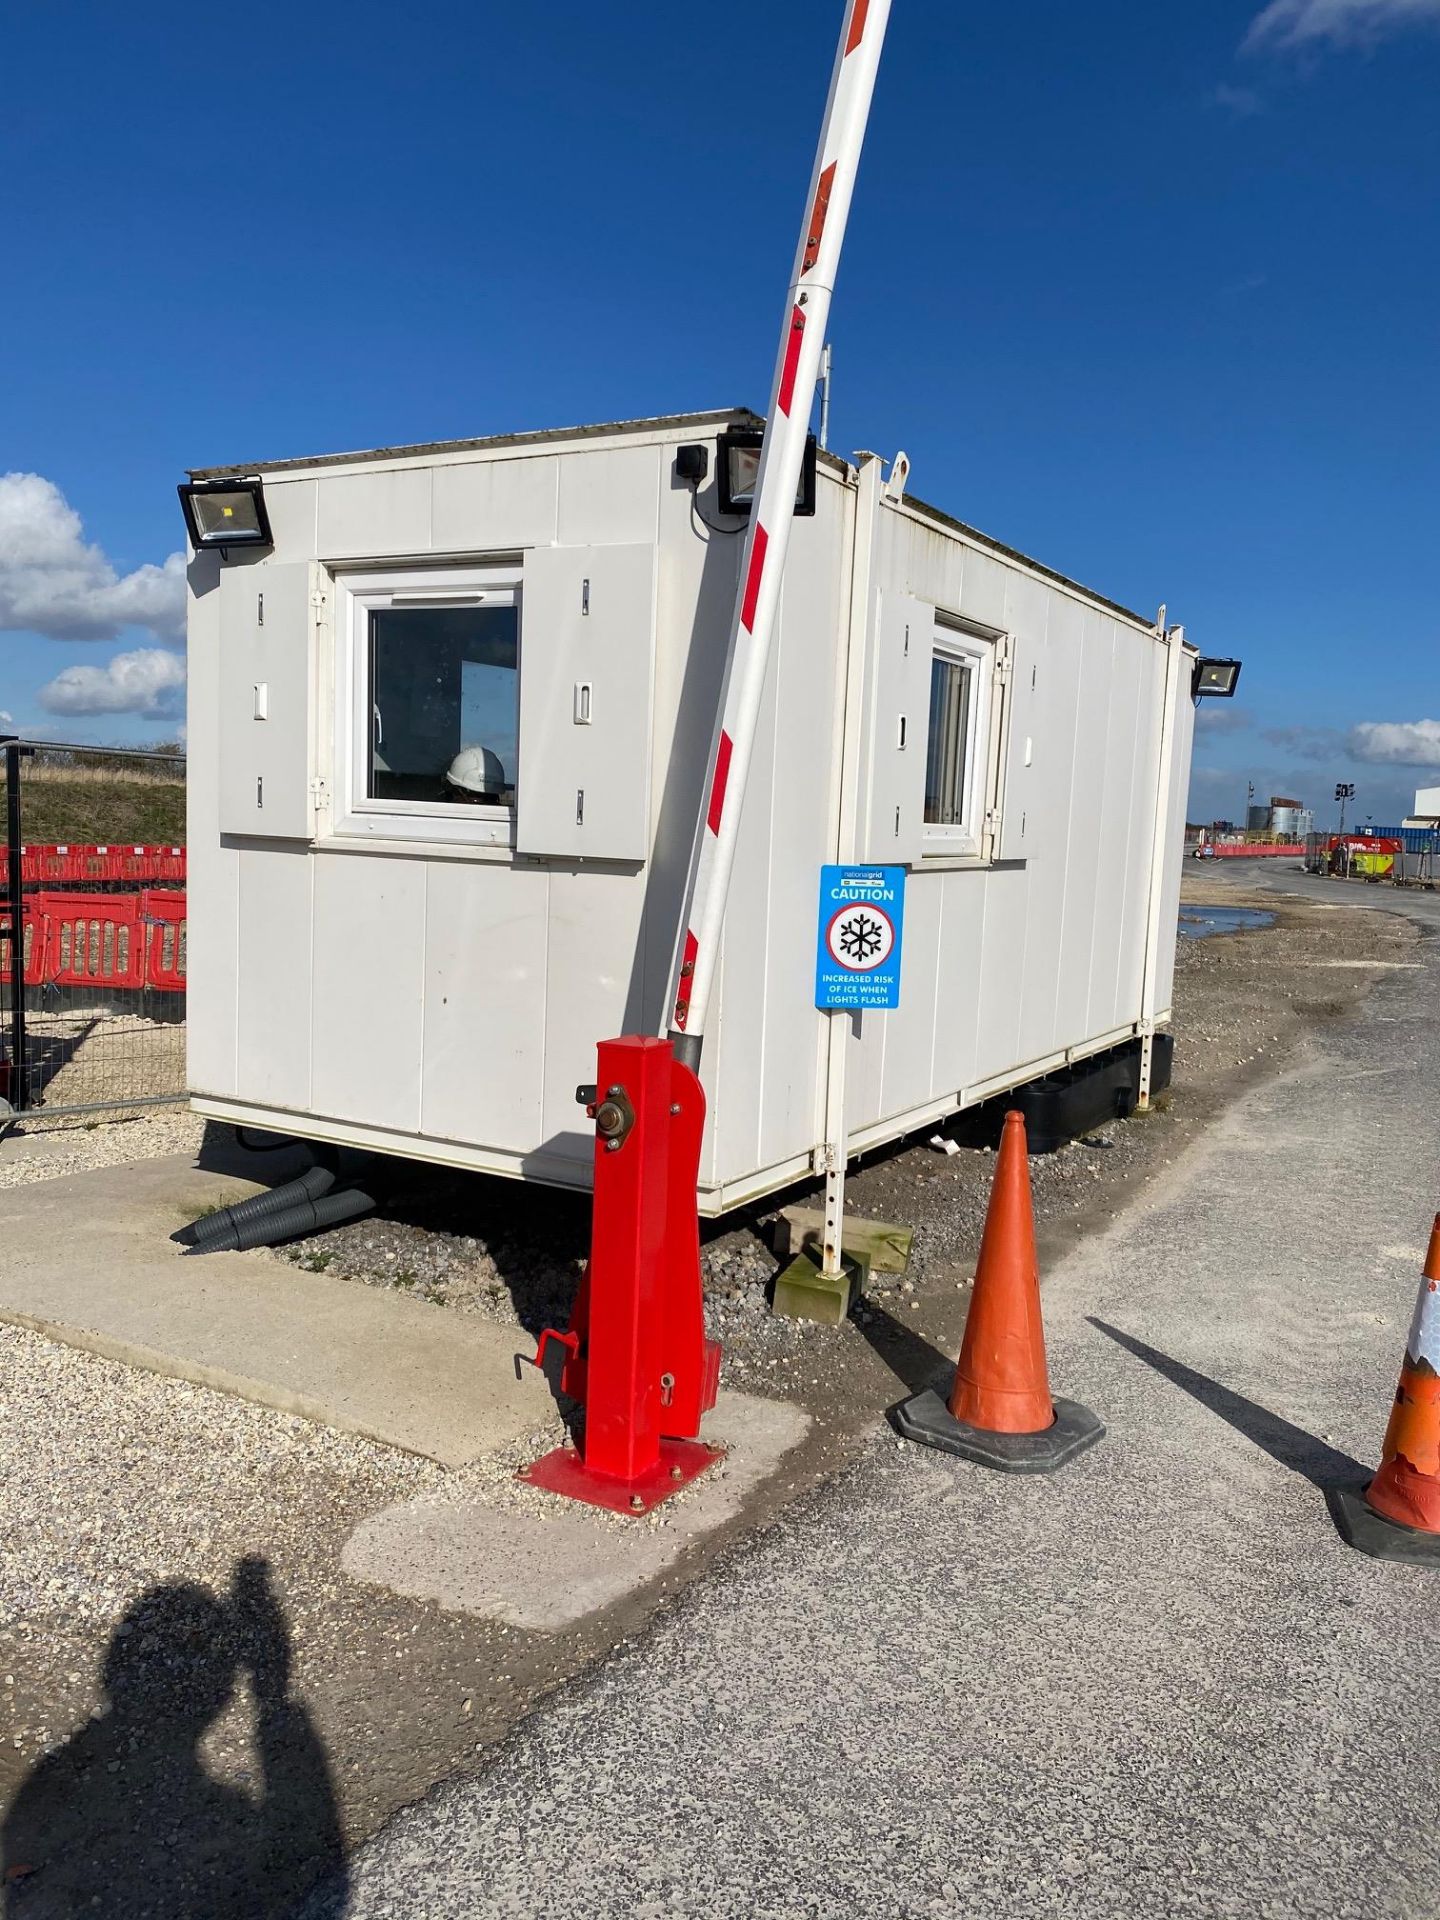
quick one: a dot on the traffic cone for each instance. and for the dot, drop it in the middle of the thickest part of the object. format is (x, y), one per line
(999, 1411)
(1397, 1517)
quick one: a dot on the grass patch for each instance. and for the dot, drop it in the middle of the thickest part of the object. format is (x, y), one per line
(70, 801)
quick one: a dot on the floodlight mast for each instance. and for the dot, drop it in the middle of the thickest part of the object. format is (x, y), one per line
(762, 565)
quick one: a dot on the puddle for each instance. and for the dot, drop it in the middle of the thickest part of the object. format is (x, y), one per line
(1200, 922)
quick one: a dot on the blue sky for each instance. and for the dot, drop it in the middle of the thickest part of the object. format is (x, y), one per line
(1150, 293)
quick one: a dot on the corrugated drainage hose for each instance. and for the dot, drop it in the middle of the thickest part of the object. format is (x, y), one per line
(213, 1228)
(289, 1223)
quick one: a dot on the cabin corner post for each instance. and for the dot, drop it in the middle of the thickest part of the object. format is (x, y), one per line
(848, 776)
(1174, 639)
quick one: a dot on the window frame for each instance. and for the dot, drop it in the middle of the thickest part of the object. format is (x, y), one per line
(965, 838)
(358, 594)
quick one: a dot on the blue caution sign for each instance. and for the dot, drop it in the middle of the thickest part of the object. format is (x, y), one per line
(862, 918)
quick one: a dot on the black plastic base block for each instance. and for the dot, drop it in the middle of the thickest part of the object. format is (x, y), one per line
(1359, 1526)
(926, 1419)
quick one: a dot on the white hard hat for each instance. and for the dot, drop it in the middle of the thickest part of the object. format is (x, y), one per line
(477, 770)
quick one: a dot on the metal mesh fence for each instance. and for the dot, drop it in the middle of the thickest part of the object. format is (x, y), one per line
(93, 1022)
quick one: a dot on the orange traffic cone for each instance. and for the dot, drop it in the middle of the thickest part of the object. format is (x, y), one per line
(999, 1411)
(1397, 1517)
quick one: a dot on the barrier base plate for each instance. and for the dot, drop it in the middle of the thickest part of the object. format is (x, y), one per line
(564, 1472)
(927, 1420)
(1359, 1526)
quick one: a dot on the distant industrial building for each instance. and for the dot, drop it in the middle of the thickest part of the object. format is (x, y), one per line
(1281, 819)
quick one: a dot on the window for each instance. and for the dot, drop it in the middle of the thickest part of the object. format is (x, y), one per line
(956, 742)
(430, 689)
(444, 697)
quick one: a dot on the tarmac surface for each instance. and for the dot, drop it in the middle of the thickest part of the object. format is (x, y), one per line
(1155, 1684)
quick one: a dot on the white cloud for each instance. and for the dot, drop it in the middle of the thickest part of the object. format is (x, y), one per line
(1397, 743)
(1220, 716)
(1243, 102)
(150, 682)
(53, 582)
(7, 719)
(1300, 23)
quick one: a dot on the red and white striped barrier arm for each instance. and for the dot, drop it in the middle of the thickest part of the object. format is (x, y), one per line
(807, 311)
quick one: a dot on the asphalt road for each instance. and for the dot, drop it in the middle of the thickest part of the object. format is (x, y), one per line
(1156, 1684)
(1288, 877)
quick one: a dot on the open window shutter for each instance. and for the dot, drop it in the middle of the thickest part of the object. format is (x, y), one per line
(267, 626)
(587, 672)
(899, 711)
(1020, 671)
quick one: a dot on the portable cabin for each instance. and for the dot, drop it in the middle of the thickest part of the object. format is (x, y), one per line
(449, 717)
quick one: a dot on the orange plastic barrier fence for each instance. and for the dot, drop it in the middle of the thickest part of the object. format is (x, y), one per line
(73, 864)
(121, 941)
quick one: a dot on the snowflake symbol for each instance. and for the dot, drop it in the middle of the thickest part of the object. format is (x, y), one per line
(861, 937)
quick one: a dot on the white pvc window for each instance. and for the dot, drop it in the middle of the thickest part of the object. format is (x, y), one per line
(429, 704)
(957, 736)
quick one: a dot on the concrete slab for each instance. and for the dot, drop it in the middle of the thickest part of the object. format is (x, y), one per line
(488, 1545)
(86, 1259)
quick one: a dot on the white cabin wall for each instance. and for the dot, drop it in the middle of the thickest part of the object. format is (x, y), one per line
(495, 506)
(767, 1093)
(457, 997)
(367, 985)
(1173, 853)
(1054, 888)
(1082, 828)
(376, 511)
(1140, 656)
(696, 576)
(1011, 963)
(486, 941)
(272, 985)
(212, 884)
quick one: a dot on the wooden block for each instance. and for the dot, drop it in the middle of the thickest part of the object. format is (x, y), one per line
(884, 1247)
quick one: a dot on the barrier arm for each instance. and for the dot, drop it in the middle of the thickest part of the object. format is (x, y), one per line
(635, 1354)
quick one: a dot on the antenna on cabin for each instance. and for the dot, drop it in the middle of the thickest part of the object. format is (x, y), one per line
(825, 395)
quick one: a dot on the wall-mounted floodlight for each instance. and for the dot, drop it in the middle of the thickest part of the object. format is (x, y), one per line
(1216, 679)
(739, 450)
(226, 513)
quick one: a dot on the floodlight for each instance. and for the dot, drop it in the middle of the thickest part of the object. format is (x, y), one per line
(1216, 679)
(739, 449)
(226, 513)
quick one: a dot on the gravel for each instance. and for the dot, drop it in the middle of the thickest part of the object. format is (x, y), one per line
(116, 1479)
(46, 1150)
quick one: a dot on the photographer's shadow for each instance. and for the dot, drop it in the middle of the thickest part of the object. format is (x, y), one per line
(125, 1821)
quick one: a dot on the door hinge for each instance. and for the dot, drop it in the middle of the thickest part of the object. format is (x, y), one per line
(319, 794)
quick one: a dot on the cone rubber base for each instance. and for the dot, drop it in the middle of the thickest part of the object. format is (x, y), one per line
(564, 1472)
(926, 1419)
(1359, 1526)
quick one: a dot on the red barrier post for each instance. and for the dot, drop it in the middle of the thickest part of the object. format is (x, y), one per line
(638, 1357)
